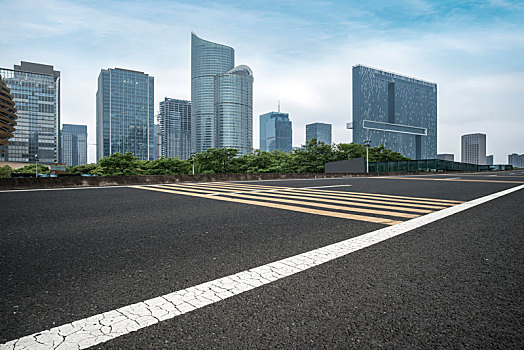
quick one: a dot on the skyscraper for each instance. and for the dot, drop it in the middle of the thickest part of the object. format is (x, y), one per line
(397, 111)
(175, 128)
(207, 60)
(36, 91)
(517, 160)
(473, 148)
(7, 117)
(276, 132)
(234, 109)
(319, 131)
(125, 113)
(74, 144)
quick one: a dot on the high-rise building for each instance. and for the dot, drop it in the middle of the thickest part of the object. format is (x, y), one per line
(74, 144)
(446, 156)
(489, 159)
(7, 117)
(36, 92)
(276, 132)
(473, 149)
(207, 60)
(125, 113)
(517, 160)
(319, 131)
(175, 128)
(234, 109)
(395, 110)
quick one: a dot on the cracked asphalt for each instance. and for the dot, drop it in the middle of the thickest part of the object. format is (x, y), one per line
(456, 283)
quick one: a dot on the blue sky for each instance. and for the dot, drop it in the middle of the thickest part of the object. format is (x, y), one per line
(301, 53)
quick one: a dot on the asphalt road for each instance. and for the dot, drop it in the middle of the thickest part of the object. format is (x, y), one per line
(455, 283)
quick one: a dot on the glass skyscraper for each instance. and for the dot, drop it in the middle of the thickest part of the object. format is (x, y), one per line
(207, 60)
(234, 109)
(397, 111)
(74, 144)
(125, 113)
(36, 91)
(319, 131)
(276, 132)
(175, 128)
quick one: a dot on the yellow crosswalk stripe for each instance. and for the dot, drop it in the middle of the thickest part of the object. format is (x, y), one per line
(345, 193)
(277, 206)
(260, 196)
(347, 201)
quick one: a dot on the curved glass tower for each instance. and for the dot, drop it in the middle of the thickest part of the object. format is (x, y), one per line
(234, 109)
(207, 60)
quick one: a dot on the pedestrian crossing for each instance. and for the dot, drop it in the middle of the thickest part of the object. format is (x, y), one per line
(370, 207)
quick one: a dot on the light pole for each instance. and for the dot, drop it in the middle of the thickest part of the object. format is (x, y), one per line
(36, 165)
(367, 143)
(193, 157)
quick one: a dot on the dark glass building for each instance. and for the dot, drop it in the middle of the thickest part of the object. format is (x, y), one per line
(36, 92)
(74, 144)
(7, 117)
(125, 114)
(276, 132)
(174, 122)
(319, 131)
(395, 110)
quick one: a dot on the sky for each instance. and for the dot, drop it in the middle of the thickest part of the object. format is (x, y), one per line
(301, 53)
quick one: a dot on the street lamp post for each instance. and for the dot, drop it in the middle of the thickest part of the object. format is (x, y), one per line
(36, 165)
(367, 143)
(193, 157)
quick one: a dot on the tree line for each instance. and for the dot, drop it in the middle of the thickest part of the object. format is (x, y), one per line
(311, 158)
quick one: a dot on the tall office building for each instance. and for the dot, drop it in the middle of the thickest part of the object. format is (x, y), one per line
(397, 111)
(7, 117)
(234, 109)
(175, 128)
(473, 149)
(125, 113)
(276, 132)
(517, 160)
(207, 60)
(36, 92)
(319, 131)
(74, 144)
(489, 159)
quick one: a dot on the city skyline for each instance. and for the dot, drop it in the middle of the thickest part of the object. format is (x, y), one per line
(471, 51)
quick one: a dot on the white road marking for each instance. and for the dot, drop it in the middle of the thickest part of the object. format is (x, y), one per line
(100, 328)
(328, 186)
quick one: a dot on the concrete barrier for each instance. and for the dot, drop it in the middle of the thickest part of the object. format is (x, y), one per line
(97, 181)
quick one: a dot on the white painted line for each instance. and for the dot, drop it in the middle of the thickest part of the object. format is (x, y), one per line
(328, 186)
(100, 328)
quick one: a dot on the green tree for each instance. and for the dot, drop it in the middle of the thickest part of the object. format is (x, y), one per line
(213, 161)
(31, 168)
(5, 171)
(118, 164)
(312, 157)
(82, 169)
(382, 154)
(344, 151)
(163, 166)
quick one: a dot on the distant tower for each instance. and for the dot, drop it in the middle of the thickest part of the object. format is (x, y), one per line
(36, 91)
(473, 149)
(276, 132)
(175, 128)
(74, 144)
(207, 60)
(234, 109)
(319, 131)
(125, 113)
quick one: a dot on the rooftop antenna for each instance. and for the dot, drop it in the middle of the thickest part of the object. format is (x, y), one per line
(278, 106)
